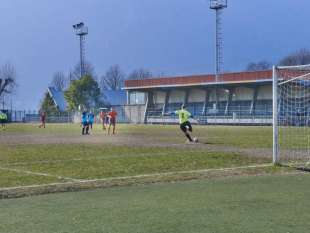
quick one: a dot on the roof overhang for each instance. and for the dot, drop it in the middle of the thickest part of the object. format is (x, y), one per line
(200, 84)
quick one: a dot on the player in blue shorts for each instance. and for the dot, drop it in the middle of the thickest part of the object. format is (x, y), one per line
(84, 122)
(91, 118)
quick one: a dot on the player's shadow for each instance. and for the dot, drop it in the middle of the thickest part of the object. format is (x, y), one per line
(206, 143)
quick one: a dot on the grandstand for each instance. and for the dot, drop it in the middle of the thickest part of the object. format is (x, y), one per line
(238, 98)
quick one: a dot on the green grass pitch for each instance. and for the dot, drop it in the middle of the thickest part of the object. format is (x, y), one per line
(222, 184)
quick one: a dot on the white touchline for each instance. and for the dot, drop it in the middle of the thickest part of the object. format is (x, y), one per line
(75, 181)
(38, 174)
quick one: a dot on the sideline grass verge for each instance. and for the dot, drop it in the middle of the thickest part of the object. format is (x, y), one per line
(271, 204)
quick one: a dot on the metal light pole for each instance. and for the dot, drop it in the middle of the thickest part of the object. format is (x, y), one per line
(218, 6)
(81, 31)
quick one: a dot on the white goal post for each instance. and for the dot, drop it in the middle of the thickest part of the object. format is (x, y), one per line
(291, 115)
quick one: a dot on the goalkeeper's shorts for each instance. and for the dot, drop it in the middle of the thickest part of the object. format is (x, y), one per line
(186, 126)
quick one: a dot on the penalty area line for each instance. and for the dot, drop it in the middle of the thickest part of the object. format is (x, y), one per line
(39, 174)
(154, 175)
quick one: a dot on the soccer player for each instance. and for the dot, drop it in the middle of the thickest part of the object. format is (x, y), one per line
(85, 126)
(3, 119)
(103, 119)
(112, 120)
(42, 119)
(185, 125)
(91, 118)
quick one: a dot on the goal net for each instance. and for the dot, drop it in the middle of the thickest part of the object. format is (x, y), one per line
(291, 115)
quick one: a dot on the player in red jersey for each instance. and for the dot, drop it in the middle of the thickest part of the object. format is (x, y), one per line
(43, 119)
(103, 119)
(112, 120)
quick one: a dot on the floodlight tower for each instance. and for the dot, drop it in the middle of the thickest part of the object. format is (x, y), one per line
(218, 6)
(81, 31)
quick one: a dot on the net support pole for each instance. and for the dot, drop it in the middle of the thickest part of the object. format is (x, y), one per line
(275, 151)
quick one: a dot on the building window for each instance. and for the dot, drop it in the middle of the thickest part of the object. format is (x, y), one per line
(137, 98)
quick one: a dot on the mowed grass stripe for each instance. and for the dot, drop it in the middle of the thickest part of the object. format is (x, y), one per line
(135, 165)
(14, 179)
(25, 172)
(33, 153)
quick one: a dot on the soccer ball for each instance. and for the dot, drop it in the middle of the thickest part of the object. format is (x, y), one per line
(195, 139)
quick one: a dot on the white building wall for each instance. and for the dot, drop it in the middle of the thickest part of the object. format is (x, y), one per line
(242, 93)
(264, 92)
(196, 95)
(177, 96)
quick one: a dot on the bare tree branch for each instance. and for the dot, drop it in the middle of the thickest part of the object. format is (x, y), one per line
(301, 57)
(113, 79)
(7, 79)
(59, 81)
(140, 74)
(262, 65)
(88, 69)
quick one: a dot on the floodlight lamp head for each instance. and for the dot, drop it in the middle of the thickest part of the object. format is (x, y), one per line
(218, 4)
(80, 29)
(78, 26)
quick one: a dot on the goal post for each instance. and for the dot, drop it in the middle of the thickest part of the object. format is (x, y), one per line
(275, 149)
(291, 115)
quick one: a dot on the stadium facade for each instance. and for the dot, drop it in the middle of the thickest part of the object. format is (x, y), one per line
(237, 98)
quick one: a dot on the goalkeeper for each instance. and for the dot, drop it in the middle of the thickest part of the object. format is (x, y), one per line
(3, 119)
(185, 125)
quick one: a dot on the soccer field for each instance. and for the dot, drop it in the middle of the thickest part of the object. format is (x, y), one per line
(60, 155)
(225, 183)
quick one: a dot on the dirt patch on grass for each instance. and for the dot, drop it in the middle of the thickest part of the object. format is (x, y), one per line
(125, 140)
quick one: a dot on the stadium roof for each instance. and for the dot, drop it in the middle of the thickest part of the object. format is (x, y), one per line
(200, 80)
(113, 98)
(58, 97)
(109, 97)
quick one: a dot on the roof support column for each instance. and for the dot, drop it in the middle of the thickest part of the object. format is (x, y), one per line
(166, 102)
(205, 104)
(230, 95)
(128, 97)
(254, 100)
(148, 104)
(186, 96)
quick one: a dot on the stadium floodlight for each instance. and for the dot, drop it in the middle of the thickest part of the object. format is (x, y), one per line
(218, 6)
(291, 115)
(81, 31)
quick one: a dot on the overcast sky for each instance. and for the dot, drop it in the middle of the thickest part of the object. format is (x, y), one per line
(175, 37)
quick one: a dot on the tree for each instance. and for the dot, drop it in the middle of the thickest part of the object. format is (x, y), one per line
(88, 70)
(59, 81)
(48, 105)
(113, 79)
(7, 79)
(140, 74)
(262, 65)
(83, 92)
(300, 57)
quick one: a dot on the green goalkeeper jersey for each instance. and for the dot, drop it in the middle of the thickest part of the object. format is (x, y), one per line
(183, 115)
(3, 116)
